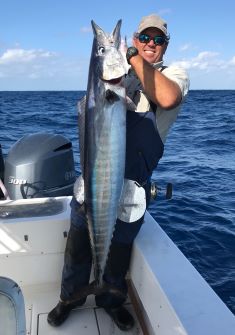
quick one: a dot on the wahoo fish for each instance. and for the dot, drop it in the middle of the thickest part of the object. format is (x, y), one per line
(102, 142)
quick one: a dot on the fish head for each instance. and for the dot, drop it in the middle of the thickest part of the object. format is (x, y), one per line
(108, 58)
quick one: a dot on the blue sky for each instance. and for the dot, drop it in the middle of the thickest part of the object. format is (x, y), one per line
(46, 44)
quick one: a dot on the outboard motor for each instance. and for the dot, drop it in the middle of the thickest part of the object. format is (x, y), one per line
(40, 165)
(1, 171)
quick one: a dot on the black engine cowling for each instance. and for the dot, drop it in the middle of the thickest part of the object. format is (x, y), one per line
(40, 165)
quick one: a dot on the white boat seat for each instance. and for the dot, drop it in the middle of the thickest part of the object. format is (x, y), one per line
(12, 310)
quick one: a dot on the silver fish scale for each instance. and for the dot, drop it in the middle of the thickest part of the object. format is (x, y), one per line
(102, 137)
(107, 179)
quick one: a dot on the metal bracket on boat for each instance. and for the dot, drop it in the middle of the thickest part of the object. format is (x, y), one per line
(154, 191)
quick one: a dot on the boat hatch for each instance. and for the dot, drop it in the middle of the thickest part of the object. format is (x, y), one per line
(12, 311)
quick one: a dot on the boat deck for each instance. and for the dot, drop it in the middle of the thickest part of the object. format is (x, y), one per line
(172, 297)
(85, 320)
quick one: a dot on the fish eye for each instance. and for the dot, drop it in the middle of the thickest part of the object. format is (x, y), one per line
(101, 50)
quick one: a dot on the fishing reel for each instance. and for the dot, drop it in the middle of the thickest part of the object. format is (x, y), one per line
(154, 191)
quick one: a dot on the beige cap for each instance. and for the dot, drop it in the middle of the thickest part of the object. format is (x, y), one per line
(152, 20)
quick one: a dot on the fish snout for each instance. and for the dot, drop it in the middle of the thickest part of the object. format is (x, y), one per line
(113, 72)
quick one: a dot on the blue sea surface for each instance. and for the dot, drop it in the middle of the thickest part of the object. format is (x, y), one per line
(199, 161)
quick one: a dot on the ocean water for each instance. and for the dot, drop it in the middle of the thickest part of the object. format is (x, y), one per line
(199, 161)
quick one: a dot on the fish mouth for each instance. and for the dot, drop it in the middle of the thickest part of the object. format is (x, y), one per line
(113, 81)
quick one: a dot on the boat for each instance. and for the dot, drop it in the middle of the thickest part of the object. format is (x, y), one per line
(167, 295)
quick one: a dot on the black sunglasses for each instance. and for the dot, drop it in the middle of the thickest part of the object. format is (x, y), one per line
(158, 40)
